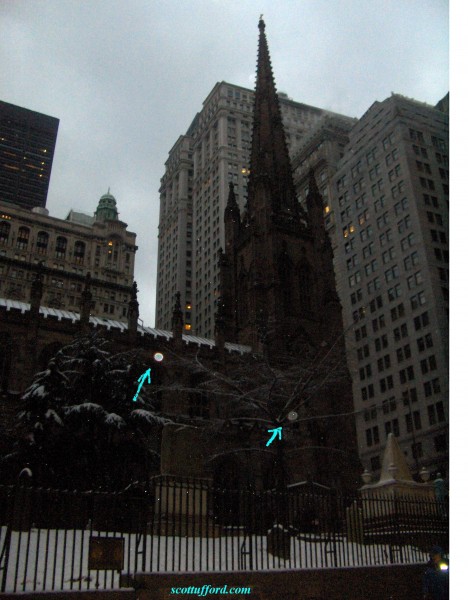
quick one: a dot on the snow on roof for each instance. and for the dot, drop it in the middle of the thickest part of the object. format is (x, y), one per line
(68, 315)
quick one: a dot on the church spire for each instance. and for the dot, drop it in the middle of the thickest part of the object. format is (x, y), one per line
(270, 164)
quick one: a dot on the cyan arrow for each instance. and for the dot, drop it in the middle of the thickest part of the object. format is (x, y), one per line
(274, 432)
(141, 379)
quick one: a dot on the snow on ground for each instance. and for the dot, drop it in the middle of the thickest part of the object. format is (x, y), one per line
(42, 559)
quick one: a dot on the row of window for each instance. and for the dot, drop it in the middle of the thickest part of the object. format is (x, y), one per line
(435, 413)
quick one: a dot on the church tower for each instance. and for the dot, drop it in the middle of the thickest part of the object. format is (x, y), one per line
(277, 280)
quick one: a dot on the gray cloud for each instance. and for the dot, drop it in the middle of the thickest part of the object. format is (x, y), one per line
(126, 78)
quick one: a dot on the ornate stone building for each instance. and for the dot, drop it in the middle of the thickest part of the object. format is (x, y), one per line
(68, 249)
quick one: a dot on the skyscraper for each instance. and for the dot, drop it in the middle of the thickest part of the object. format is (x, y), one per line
(27, 145)
(389, 225)
(201, 164)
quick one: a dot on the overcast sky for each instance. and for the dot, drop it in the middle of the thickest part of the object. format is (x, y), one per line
(126, 78)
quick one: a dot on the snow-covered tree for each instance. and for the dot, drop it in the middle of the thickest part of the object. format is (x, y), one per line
(80, 426)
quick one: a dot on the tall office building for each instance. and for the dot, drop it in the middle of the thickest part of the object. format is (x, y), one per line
(194, 189)
(27, 145)
(389, 226)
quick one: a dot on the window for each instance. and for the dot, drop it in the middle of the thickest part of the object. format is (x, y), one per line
(372, 436)
(388, 255)
(351, 262)
(370, 156)
(421, 321)
(354, 279)
(23, 238)
(414, 280)
(403, 353)
(4, 232)
(432, 387)
(436, 413)
(363, 352)
(379, 204)
(418, 300)
(428, 364)
(368, 250)
(407, 374)
(404, 224)
(410, 395)
(363, 217)
(401, 206)
(386, 383)
(79, 252)
(60, 247)
(397, 312)
(388, 141)
(411, 261)
(371, 267)
(360, 333)
(373, 285)
(416, 135)
(392, 273)
(386, 237)
(349, 246)
(356, 296)
(366, 233)
(383, 220)
(394, 292)
(413, 421)
(425, 342)
(408, 241)
(392, 426)
(365, 372)
(374, 172)
(367, 392)
(381, 343)
(375, 304)
(378, 323)
(42, 242)
(389, 405)
(371, 414)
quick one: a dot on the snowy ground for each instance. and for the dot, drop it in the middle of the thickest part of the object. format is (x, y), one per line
(58, 559)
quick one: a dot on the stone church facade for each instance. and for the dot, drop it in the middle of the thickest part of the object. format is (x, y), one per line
(278, 312)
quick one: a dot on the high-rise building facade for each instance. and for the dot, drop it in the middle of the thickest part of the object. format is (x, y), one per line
(67, 250)
(194, 189)
(27, 145)
(389, 227)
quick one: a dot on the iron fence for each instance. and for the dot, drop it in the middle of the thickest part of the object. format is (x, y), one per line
(70, 540)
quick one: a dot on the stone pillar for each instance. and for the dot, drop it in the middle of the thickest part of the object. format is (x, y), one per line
(133, 314)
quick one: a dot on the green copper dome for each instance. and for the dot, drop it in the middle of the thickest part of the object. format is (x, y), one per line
(107, 208)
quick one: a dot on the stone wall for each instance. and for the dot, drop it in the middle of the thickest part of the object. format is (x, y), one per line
(395, 582)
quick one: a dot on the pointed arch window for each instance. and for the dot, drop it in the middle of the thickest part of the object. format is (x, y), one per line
(42, 242)
(22, 240)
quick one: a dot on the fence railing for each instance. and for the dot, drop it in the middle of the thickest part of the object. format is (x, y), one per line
(69, 540)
